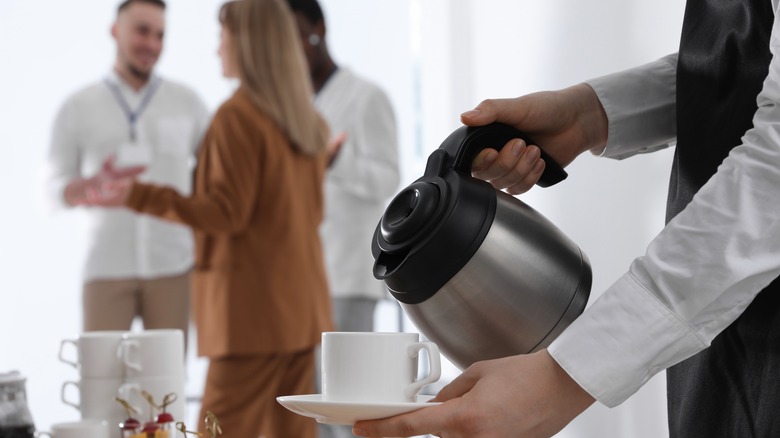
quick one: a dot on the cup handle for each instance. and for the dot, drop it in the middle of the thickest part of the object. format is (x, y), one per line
(124, 353)
(62, 348)
(126, 388)
(435, 362)
(65, 400)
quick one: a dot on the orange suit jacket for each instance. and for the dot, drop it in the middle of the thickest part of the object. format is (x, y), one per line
(259, 284)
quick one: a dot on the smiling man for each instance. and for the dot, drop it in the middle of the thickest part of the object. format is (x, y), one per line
(136, 266)
(138, 32)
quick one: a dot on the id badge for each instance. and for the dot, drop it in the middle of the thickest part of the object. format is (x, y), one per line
(134, 154)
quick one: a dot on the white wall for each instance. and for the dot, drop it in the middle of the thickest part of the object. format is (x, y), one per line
(436, 58)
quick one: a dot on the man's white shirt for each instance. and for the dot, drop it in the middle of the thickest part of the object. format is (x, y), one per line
(90, 126)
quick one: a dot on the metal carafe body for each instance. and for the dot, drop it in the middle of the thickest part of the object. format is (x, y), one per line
(478, 271)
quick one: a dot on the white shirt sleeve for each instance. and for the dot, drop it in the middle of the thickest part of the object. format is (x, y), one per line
(62, 158)
(640, 106)
(371, 170)
(698, 275)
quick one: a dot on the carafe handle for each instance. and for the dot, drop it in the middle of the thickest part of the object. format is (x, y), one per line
(466, 142)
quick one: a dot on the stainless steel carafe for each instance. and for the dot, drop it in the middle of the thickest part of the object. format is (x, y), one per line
(478, 271)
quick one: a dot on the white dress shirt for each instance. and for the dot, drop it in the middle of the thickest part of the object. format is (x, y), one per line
(362, 179)
(701, 272)
(90, 126)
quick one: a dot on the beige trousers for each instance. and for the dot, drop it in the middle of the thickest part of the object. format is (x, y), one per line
(160, 303)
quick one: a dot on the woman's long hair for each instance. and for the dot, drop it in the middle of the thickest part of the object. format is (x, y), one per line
(271, 65)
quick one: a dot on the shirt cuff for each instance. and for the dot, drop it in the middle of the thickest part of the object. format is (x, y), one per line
(640, 106)
(621, 341)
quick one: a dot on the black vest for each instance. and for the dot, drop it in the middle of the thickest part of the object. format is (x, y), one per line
(731, 389)
(723, 60)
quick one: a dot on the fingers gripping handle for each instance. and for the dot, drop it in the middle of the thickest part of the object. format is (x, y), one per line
(464, 144)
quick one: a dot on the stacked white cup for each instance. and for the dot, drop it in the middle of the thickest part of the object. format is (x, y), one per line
(154, 362)
(123, 364)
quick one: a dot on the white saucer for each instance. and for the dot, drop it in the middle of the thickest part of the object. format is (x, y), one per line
(339, 412)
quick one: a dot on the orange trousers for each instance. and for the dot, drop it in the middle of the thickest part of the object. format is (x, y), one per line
(242, 391)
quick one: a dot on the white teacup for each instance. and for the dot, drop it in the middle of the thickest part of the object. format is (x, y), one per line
(152, 353)
(375, 367)
(97, 398)
(79, 429)
(95, 354)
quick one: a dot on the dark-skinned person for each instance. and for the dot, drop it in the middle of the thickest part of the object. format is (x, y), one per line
(362, 177)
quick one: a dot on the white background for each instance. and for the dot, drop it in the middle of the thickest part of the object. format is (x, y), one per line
(435, 58)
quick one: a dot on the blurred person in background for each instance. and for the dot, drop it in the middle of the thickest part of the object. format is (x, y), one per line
(361, 178)
(260, 293)
(136, 265)
(704, 301)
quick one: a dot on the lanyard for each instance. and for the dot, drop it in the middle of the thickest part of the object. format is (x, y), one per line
(133, 115)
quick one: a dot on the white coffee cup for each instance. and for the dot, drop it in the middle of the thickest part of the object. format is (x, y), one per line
(95, 355)
(152, 353)
(97, 398)
(79, 429)
(375, 367)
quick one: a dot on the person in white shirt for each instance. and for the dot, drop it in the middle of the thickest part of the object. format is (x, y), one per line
(135, 265)
(362, 177)
(703, 302)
